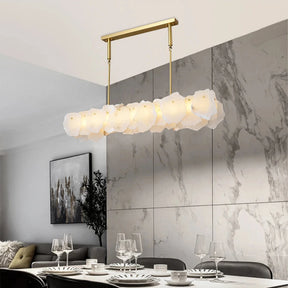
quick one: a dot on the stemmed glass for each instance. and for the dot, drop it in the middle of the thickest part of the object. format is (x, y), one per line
(217, 254)
(68, 245)
(119, 237)
(57, 248)
(124, 251)
(201, 249)
(137, 248)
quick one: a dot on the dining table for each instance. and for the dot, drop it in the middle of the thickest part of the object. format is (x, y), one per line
(225, 281)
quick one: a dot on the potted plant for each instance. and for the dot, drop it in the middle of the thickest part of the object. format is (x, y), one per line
(93, 203)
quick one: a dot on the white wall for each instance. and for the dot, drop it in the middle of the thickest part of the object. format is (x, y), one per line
(34, 100)
(1, 193)
(26, 209)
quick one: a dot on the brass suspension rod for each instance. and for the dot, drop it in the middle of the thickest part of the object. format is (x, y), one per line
(168, 23)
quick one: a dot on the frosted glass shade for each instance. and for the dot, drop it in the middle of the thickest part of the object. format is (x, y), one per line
(203, 103)
(72, 123)
(171, 112)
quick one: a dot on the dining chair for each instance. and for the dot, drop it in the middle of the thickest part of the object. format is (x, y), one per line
(172, 263)
(55, 281)
(239, 268)
(14, 278)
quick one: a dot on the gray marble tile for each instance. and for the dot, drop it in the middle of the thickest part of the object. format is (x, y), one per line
(250, 145)
(129, 221)
(182, 168)
(254, 232)
(189, 74)
(130, 157)
(182, 160)
(176, 229)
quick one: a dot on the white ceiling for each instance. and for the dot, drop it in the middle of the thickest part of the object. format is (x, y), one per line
(64, 35)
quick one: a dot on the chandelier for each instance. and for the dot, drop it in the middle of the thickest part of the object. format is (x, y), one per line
(171, 112)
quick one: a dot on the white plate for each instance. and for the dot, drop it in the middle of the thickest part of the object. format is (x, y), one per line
(148, 282)
(99, 273)
(118, 266)
(127, 278)
(176, 283)
(61, 270)
(61, 273)
(204, 272)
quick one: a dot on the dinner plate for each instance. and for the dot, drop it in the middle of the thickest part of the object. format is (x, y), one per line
(118, 266)
(204, 272)
(149, 281)
(127, 278)
(63, 270)
(177, 283)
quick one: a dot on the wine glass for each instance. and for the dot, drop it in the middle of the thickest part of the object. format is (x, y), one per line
(57, 248)
(137, 248)
(120, 236)
(217, 254)
(124, 251)
(68, 245)
(201, 249)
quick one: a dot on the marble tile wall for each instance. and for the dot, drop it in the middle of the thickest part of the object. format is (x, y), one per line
(250, 163)
(230, 183)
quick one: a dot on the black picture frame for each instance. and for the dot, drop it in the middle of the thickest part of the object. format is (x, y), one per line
(66, 177)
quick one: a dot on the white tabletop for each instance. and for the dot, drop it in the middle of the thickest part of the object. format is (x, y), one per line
(228, 281)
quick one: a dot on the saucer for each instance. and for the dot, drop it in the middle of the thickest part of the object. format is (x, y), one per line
(177, 283)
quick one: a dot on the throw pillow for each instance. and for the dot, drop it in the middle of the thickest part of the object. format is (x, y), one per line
(8, 249)
(23, 257)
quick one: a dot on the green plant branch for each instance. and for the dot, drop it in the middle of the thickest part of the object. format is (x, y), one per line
(93, 205)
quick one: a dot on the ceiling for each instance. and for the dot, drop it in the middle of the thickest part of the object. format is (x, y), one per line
(64, 35)
(48, 47)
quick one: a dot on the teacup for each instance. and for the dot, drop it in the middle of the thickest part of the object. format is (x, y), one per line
(91, 261)
(160, 269)
(97, 267)
(179, 276)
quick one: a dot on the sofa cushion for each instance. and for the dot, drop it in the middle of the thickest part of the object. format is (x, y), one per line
(76, 254)
(98, 253)
(43, 252)
(8, 249)
(23, 258)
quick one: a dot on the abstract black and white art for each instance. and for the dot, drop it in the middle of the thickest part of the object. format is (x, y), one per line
(66, 177)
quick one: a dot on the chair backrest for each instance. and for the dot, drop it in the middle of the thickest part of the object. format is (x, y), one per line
(172, 263)
(20, 279)
(55, 281)
(239, 268)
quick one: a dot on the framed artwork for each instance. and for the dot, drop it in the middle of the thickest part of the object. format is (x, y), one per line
(66, 177)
